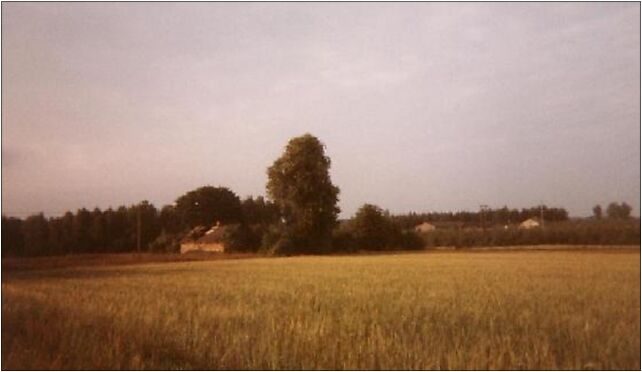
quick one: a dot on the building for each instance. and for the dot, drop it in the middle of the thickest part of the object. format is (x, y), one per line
(425, 227)
(210, 241)
(529, 224)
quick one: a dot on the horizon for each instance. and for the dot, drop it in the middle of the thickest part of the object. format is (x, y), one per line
(459, 104)
(340, 218)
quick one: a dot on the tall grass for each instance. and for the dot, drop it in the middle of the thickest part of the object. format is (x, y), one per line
(447, 310)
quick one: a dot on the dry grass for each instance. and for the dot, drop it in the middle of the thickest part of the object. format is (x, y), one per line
(442, 310)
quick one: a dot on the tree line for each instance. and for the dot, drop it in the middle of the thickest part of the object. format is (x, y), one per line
(484, 218)
(116, 230)
(299, 216)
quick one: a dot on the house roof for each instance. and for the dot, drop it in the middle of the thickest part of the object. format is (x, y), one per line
(530, 221)
(214, 235)
(201, 234)
(425, 225)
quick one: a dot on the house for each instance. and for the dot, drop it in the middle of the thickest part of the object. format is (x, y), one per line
(529, 224)
(200, 240)
(424, 227)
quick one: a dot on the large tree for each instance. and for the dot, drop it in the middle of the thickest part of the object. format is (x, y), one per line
(299, 184)
(208, 205)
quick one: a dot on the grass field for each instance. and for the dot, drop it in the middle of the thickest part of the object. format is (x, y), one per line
(557, 309)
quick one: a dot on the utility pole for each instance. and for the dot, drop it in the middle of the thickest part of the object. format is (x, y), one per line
(541, 214)
(483, 209)
(138, 228)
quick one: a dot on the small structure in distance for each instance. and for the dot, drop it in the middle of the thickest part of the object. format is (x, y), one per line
(424, 227)
(530, 223)
(211, 241)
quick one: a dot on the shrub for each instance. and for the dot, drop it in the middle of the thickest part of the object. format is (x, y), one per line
(372, 229)
(343, 240)
(242, 238)
(409, 240)
(278, 240)
(166, 243)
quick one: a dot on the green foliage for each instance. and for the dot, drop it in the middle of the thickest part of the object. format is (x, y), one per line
(36, 235)
(12, 237)
(343, 240)
(283, 241)
(166, 243)
(371, 228)
(208, 205)
(270, 238)
(408, 240)
(598, 232)
(500, 216)
(259, 211)
(618, 211)
(242, 238)
(300, 186)
(169, 220)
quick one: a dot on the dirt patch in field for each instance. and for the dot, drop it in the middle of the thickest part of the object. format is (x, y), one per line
(57, 262)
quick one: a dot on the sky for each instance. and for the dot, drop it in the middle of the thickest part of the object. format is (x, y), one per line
(421, 106)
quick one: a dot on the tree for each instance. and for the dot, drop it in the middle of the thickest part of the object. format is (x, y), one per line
(81, 230)
(208, 205)
(12, 237)
(150, 224)
(597, 212)
(259, 211)
(372, 229)
(121, 230)
(67, 226)
(169, 220)
(299, 184)
(56, 235)
(97, 231)
(618, 211)
(36, 234)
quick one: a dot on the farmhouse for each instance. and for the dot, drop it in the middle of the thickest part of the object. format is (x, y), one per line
(424, 227)
(210, 241)
(529, 224)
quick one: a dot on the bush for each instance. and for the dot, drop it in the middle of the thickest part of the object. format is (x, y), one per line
(278, 240)
(372, 229)
(242, 238)
(270, 238)
(166, 243)
(409, 240)
(343, 241)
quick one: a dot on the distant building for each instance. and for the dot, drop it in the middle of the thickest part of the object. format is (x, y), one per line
(211, 241)
(425, 227)
(529, 224)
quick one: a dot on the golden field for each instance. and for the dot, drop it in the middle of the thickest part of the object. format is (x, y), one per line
(508, 309)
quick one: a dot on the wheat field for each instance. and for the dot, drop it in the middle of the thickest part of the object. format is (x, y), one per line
(527, 309)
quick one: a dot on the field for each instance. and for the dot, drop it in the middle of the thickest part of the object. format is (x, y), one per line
(514, 309)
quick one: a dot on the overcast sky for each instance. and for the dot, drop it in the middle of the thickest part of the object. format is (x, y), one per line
(422, 106)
